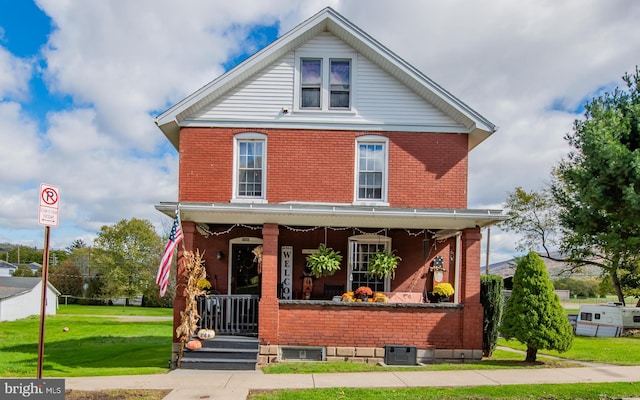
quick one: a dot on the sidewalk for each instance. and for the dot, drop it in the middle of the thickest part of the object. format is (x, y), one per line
(235, 385)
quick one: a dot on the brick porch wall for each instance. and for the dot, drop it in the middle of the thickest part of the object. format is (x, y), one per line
(370, 325)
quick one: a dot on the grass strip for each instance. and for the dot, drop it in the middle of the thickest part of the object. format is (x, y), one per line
(593, 349)
(589, 391)
(120, 394)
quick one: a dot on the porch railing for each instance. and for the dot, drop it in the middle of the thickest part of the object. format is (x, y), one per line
(229, 314)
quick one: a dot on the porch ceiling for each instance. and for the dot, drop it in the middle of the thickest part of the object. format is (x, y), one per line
(339, 215)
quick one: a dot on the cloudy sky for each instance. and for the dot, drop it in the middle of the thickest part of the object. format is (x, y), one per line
(82, 80)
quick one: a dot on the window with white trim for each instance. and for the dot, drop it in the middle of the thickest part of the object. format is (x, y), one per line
(371, 169)
(340, 84)
(249, 160)
(361, 248)
(310, 83)
(324, 83)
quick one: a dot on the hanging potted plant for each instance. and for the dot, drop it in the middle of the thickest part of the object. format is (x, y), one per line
(383, 264)
(325, 261)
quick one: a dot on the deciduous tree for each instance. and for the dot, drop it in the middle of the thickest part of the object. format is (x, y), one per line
(127, 257)
(66, 278)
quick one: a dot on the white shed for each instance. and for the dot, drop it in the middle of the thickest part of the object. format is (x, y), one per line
(6, 269)
(21, 298)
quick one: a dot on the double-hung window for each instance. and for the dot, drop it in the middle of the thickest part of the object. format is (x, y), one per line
(340, 84)
(311, 83)
(361, 248)
(250, 166)
(371, 169)
(324, 83)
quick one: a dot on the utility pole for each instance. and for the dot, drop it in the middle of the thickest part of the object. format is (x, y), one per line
(486, 268)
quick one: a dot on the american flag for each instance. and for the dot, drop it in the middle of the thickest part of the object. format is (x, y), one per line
(165, 263)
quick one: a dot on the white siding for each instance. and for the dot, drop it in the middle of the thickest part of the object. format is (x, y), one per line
(259, 98)
(27, 304)
(379, 98)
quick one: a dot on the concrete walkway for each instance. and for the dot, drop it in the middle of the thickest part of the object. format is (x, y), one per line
(235, 385)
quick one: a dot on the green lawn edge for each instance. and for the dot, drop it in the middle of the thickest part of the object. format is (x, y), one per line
(584, 391)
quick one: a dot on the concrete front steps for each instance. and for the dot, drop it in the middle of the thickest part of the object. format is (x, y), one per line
(223, 353)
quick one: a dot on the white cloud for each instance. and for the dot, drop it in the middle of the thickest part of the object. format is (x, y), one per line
(20, 154)
(127, 58)
(15, 73)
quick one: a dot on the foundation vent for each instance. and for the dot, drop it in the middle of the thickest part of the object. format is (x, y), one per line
(302, 353)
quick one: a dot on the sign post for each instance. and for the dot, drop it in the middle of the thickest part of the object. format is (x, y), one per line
(47, 216)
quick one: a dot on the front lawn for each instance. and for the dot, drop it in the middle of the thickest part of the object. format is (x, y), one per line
(92, 346)
(619, 351)
(75, 309)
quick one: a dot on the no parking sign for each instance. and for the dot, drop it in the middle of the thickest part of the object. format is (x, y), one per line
(49, 203)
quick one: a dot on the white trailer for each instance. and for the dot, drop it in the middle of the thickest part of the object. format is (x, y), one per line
(606, 320)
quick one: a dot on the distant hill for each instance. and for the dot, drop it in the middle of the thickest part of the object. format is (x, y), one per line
(554, 268)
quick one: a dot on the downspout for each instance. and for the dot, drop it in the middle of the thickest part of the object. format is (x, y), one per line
(456, 296)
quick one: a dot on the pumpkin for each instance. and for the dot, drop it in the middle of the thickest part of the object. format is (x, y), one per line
(194, 345)
(206, 334)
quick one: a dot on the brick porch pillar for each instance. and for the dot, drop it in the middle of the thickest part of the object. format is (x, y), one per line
(470, 296)
(268, 308)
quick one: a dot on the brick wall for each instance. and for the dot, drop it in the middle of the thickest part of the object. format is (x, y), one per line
(370, 325)
(425, 169)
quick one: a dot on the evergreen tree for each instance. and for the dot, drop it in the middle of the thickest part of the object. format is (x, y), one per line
(534, 315)
(597, 187)
(492, 299)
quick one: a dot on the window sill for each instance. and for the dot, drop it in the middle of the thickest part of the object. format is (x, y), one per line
(249, 201)
(324, 112)
(371, 203)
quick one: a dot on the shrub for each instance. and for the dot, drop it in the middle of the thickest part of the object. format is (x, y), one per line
(492, 299)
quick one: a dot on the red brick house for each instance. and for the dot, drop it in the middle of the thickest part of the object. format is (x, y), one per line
(326, 136)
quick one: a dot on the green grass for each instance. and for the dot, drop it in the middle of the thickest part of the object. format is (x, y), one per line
(599, 350)
(500, 360)
(75, 309)
(93, 346)
(595, 391)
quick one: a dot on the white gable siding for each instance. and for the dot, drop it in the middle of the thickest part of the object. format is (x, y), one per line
(259, 98)
(379, 99)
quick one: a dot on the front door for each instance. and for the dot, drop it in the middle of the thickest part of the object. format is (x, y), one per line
(245, 277)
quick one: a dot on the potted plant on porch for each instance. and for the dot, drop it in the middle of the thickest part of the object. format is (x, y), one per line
(383, 264)
(443, 291)
(325, 261)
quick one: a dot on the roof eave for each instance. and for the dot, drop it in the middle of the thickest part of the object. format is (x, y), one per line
(299, 214)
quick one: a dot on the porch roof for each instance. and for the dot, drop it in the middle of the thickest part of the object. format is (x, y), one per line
(336, 215)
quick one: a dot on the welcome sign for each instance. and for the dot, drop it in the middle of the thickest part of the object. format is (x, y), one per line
(286, 271)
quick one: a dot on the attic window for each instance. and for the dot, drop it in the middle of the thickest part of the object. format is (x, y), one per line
(340, 84)
(311, 82)
(324, 83)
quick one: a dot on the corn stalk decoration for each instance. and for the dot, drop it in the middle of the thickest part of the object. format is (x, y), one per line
(193, 271)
